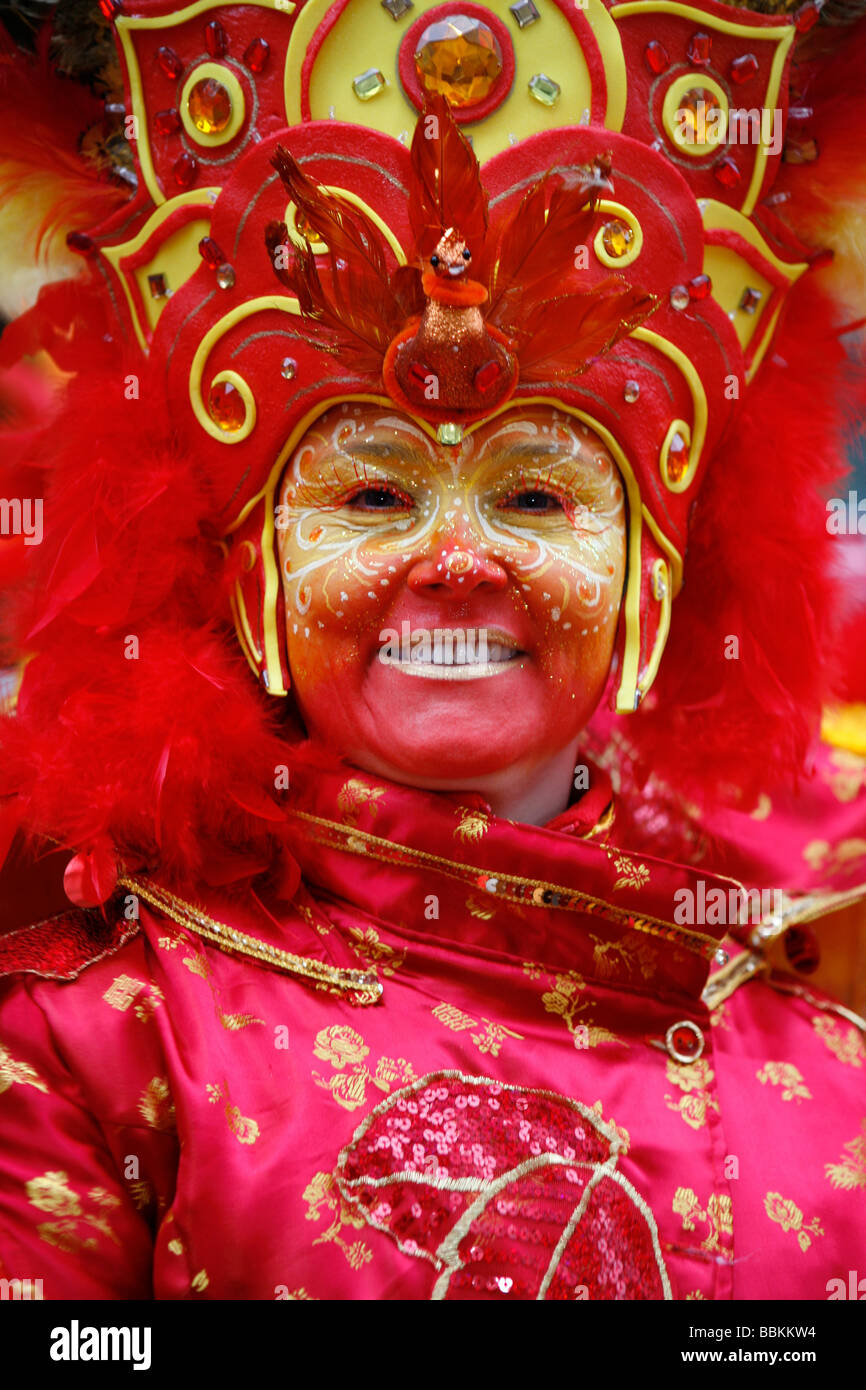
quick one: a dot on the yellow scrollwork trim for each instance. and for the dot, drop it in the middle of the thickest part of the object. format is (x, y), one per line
(671, 105)
(698, 431)
(319, 248)
(622, 214)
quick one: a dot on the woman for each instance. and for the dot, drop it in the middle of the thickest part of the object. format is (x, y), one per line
(404, 999)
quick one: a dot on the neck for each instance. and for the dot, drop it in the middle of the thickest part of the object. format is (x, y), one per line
(532, 792)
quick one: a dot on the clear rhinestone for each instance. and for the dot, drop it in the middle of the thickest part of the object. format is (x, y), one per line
(721, 957)
(449, 433)
(680, 297)
(544, 89)
(225, 276)
(288, 368)
(368, 84)
(631, 392)
(525, 13)
(397, 8)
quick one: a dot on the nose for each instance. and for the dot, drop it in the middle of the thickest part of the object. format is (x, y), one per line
(453, 571)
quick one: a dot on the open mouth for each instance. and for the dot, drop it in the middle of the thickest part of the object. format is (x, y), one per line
(457, 269)
(452, 654)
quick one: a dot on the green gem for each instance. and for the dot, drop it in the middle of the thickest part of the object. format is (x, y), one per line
(450, 433)
(368, 84)
(544, 89)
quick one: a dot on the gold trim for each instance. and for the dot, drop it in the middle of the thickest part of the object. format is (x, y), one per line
(620, 214)
(694, 383)
(696, 942)
(660, 575)
(737, 972)
(365, 986)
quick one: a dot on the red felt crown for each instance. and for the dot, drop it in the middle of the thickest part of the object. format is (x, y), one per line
(198, 369)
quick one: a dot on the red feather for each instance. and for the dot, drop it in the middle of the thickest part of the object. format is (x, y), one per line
(561, 336)
(446, 188)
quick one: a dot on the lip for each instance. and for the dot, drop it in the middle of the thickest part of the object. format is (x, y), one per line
(427, 670)
(455, 270)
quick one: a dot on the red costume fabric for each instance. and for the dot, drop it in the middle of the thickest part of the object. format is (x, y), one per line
(480, 1088)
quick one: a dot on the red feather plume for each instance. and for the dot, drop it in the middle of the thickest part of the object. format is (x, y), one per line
(446, 190)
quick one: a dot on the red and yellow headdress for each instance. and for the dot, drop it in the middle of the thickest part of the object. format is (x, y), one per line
(298, 165)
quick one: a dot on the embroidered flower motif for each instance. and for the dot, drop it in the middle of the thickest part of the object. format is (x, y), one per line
(631, 875)
(695, 1079)
(20, 1073)
(563, 997)
(786, 1075)
(846, 1043)
(850, 1172)
(473, 823)
(845, 775)
(718, 1216)
(156, 1106)
(322, 1196)
(51, 1192)
(340, 1045)
(788, 1215)
(353, 796)
(375, 953)
(245, 1130)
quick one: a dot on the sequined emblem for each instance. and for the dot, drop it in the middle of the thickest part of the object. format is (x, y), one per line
(508, 1192)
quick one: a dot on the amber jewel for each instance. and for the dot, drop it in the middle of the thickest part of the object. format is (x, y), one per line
(209, 106)
(616, 238)
(699, 114)
(226, 407)
(459, 57)
(678, 458)
(309, 233)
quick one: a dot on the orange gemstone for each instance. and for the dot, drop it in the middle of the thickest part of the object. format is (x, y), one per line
(460, 58)
(209, 106)
(307, 231)
(678, 458)
(616, 238)
(226, 406)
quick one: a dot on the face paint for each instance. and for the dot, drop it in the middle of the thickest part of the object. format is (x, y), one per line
(513, 542)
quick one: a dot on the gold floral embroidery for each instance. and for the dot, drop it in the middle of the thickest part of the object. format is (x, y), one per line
(717, 1215)
(786, 1075)
(200, 1281)
(244, 1129)
(788, 1215)
(846, 1043)
(609, 958)
(301, 1296)
(719, 1018)
(694, 1078)
(18, 1073)
(562, 997)
(197, 963)
(51, 1192)
(695, 1294)
(125, 989)
(473, 824)
(489, 1040)
(141, 1193)
(376, 954)
(176, 1247)
(484, 911)
(322, 1194)
(844, 858)
(156, 1106)
(344, 1048)
(846, 776)
(353, 796)
(850, 1171)
(631, 875)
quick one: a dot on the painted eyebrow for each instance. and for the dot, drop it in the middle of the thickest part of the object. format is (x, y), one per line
(530, 452)
(379, 451)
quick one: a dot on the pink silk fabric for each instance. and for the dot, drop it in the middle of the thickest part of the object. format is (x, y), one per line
(506, 1120)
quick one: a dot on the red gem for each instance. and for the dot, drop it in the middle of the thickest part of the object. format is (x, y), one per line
(184, 169)
(743, 68)
(727, 172)
(210, 253)
(807, 16)
(656, 56)
(111, 9)
(170, 63)
(678, 458)
(82, 243)
(750, 300)
(685, 1041)
(802, 949)
(166, 122)
(699, 50)
(487, 376)
(700, 287)
(257, 55)
(216, 39)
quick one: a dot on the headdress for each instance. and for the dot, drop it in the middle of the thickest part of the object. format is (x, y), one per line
(307, 177)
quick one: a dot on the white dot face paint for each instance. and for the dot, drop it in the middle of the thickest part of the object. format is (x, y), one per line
(369, 511)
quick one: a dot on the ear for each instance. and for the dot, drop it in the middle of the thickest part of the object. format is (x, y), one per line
(257, 597)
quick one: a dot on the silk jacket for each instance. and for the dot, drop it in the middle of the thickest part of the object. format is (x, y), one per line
(469, 1059)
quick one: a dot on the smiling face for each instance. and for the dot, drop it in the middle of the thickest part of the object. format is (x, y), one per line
(513, 542)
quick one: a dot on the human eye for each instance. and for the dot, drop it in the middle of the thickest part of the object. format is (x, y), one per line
(536, 501)
(378, 497)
